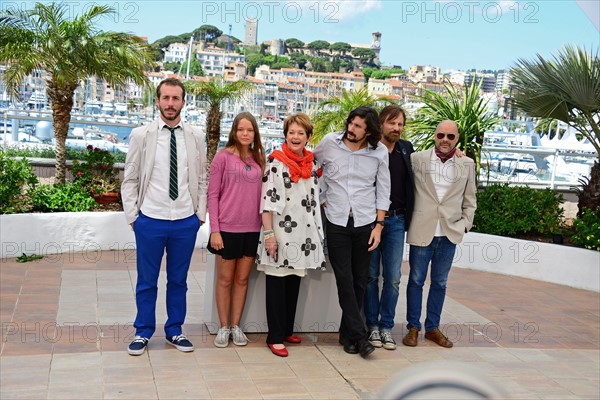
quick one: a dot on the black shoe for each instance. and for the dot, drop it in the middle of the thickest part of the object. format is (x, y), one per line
(351, 348)
(181, 343)
(365, 348)
(137, 346)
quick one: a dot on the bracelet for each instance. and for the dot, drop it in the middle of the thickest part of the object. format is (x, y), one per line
(380, 222)
(268, 232)
(269, 236)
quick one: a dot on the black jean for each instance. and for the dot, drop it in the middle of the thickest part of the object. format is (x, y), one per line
(282, 298)
(349, 256)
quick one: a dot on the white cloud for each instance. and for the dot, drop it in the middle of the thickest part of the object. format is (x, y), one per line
(338, 10)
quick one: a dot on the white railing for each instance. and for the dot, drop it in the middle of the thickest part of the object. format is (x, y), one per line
(535, 166)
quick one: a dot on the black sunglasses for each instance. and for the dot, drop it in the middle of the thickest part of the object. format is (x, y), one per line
(450, 136)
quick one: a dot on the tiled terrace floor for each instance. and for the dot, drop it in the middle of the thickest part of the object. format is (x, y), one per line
(66, 322)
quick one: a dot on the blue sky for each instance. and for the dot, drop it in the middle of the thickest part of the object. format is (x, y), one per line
(450, 34)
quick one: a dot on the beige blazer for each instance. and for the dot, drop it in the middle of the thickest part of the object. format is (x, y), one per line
(455, 211)
(140, 162)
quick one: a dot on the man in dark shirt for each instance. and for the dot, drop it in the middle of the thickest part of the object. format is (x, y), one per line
(380, 311)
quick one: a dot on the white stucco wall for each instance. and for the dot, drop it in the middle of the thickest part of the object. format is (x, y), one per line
(564, 265)
(52, 233)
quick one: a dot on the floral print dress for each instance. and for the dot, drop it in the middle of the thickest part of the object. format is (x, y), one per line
(296, 222)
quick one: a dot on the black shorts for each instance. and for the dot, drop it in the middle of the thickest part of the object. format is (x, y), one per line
(237, 245)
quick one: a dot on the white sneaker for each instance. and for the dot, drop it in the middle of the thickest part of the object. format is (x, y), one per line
(387, 340)
(239, 339)
(375, 338)
(222, 339)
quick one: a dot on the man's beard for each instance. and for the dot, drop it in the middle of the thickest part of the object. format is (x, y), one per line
(392, 137)
(353, 139)
(167, 118)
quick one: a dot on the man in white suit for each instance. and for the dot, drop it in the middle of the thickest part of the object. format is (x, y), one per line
(164, 199)
(445, 203)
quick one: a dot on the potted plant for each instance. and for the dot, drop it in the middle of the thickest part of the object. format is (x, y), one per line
(97, 174)
(106, 191)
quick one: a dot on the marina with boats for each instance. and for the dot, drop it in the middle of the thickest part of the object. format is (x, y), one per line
(512, 152)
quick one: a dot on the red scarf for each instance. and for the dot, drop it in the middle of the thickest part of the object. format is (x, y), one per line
(300, 167)
(445, 156)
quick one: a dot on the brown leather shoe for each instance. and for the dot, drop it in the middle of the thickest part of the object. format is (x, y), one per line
(438, 337)
(412, 337)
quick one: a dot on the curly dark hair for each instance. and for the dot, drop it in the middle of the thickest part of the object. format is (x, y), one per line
(371, 118)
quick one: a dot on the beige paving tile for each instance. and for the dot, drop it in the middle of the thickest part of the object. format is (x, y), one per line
(283, 388)
(23, 394)
(39, 363)
(495, 354)
(111, 359)
(265, 371)
(329, 388)
(130, 391)
(17, 380)
(513, 389)
(74, 362)
(424, 353)
(309, 369)
(461, 354)
(174, 373)
(160, 354)
(128, 374)
(565, 355)
(368, 384)
(217, 356)
(67, 377)
(510, 369)
(224, 372)
(183, 391)
(80, 391)
(593, 355)
(581, 387)
(560, 370)
(531, 355)
(243, 389)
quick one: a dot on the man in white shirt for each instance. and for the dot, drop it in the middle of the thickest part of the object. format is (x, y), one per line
(164, 199)
(356, 195)
(445, 203)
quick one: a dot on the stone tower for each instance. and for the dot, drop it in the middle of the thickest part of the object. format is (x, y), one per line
(376, 46)
(251, 32)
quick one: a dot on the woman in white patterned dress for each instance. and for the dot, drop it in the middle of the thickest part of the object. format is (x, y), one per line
(292, 239)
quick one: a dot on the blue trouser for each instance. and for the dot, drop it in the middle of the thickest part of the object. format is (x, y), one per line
(441, 253)
(387, 257)
(153, 237)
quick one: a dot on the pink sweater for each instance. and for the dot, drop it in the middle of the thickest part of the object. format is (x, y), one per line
(234, 194)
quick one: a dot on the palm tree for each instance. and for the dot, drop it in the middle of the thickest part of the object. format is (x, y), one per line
(567, 88)
(68, 50)
(465, 107)
(216, 91)
(332, 113)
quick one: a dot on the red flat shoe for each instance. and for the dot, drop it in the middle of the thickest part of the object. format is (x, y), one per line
(293, 339)
(278, 352)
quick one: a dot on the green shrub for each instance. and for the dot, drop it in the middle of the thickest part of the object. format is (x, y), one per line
(61, 198)
(513, 210)
(586, 230)
(72, 154)
(16, 179)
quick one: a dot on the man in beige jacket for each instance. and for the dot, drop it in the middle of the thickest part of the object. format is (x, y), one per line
(445, 203)
(164, 199)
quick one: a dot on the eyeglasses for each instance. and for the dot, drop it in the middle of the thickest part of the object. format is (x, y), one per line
(450, 136)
